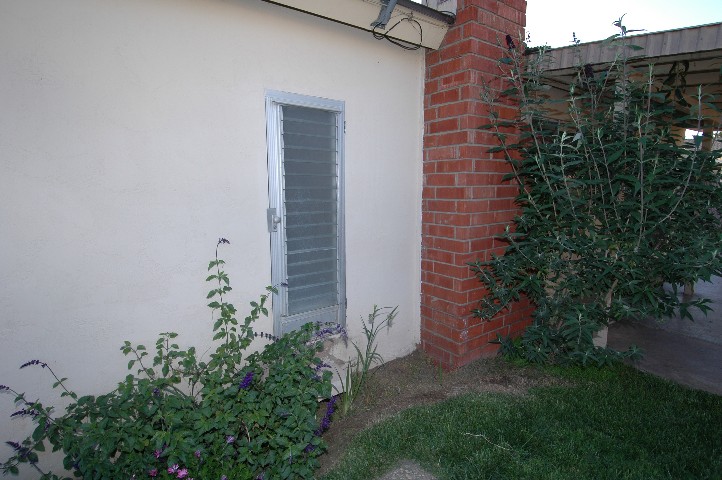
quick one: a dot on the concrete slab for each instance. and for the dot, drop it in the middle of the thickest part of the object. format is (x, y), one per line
(703, 327)
(684, 351)
(408, 470)
(682, 359)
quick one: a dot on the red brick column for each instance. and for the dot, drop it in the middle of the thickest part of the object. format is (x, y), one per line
(465, 202)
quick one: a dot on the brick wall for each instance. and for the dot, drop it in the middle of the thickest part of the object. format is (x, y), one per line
(465, 202)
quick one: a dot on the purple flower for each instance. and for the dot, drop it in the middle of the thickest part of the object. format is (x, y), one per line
(320, 366)
(223, 477)
(223, 240)
(197, 454)
(230, 439)
(153, 472)
(23, 452)
(174, 468)
(34, 362)
(247, 380)
(326, 420)
(331, 407)
(4, 387)
(510, 42)
(31, 412)
(16, 446)
(182, 473)
(328, 330)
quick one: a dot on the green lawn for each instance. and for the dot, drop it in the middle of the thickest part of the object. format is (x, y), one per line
(609, 424)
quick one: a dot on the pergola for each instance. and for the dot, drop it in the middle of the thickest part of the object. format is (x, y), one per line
(683, 60)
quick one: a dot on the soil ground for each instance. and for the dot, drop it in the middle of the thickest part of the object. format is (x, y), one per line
(415, 380)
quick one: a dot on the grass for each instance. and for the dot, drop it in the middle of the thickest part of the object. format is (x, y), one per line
(611, 423)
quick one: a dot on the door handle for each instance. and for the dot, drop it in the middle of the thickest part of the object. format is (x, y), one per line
(272, 219)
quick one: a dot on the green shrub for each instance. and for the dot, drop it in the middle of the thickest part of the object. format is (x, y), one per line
(237, 416)
(613, 203)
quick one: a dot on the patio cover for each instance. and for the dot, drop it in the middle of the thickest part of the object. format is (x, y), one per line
(683, 59)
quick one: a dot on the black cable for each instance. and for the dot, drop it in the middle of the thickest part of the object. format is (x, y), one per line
(401, 44)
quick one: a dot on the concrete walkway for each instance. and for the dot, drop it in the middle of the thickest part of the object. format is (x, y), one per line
(680, 350)
(684, 351)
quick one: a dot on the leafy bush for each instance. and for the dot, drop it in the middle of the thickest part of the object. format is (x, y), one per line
(237, 416)
(613, 203)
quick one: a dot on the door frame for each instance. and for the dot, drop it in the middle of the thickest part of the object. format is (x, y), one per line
(282, 322)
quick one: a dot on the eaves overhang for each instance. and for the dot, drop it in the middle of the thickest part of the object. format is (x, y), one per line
(432, 24)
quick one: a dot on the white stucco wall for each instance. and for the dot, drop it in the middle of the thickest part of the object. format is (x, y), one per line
(132, 136)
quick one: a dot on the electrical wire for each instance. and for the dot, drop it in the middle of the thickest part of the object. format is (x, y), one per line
(402, 44)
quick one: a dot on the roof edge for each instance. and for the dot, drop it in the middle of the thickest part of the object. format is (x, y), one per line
(427, 30)
(428, 11)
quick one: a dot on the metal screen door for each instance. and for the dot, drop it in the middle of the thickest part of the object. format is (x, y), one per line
(305, 209)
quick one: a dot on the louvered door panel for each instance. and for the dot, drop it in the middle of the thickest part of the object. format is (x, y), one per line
(305, 214)
(310, 201)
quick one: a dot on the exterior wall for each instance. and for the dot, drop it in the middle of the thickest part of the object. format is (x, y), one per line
(465, 202)
(133, 136)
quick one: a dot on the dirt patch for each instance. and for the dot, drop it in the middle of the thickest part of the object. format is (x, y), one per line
(415, 380)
